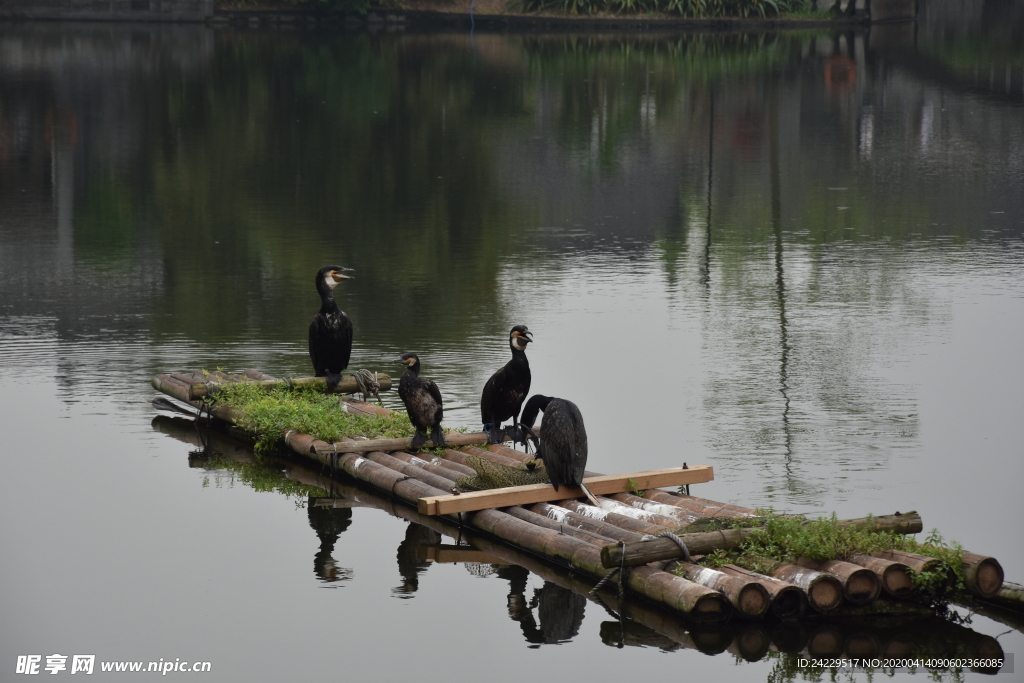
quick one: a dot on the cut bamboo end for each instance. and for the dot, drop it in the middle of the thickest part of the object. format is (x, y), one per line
(748, 597)
(787, 601)
(983, 575)
(894, 576)
(824, 591)
(860, 585)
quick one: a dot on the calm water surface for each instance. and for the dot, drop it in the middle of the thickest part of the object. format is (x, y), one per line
(797, 258)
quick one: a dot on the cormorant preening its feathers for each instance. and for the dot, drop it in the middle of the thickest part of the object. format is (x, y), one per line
(506, 390)
(330, 333)
(422, 401)
(563, 440)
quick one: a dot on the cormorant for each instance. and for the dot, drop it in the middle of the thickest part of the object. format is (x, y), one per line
(563, 440)
(330, 333)
(422, 401)
(506, 390)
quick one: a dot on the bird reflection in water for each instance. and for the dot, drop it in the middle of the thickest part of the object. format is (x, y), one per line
(410, 566)
(559, 610)
(328, 522)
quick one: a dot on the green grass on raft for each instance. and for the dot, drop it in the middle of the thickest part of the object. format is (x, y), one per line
(268, 414)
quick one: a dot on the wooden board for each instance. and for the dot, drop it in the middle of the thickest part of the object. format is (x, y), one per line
(543, 493)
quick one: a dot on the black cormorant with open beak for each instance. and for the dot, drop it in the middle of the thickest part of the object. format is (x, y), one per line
(563, 440)
(422, 401)
(506, 390)
(330, 333)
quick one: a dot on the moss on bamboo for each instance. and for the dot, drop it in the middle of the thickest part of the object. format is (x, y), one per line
(267, 414)
(784, 539)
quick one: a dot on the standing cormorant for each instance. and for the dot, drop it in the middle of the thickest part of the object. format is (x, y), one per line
(506, 390)
(330, 333)
(422, 401)
(563, 440)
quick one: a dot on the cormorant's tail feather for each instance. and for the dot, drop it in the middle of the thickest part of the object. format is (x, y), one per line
(590, 496)
(333, 380)
(437, 436)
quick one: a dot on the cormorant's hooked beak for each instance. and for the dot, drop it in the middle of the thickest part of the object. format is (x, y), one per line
(526, 337)
(399, 361)
(338, 275)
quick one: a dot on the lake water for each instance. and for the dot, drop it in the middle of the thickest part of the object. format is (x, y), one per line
(796, 257)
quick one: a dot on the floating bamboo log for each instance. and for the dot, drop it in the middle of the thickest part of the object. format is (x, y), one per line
(824, 591)
(750, 598)
(216, 381)
(895, 576)
(621, 521)
(563, 516)
(983, 575)
(787, 601)
(387, 445)
(539, 493)
(664, 549)
(1010, 596)
(643, 552)
(860, 585)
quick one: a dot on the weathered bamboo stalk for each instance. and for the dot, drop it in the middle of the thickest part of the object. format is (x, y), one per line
(603, 515)
(256, 375)
(895, 576)
(1010, 596)
(388, 445)
(682, 516)
(608, 504)
(642, 552)
(347, 385)
(899, 523)
(983, 575)
(860, 585)
(564, 528)
(439, 482)
(824, 591)
(704, 508)
(452, 471)
(787, 601)
(664, 549)
(750, 598)
(564, 516)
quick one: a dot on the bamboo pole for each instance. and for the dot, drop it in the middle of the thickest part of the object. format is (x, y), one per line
(642, 552)
(564, 516)
(208, 386)
(491, 456)
(682, 516)
(824, 591)
(983, 575)
(1010, 596)
(787, 601)
(445, 468)
(895, 576)
(602, 515)
(750, 598)
(664, 549)
(700, 506)
(860, 585)
(609, 504)
(564, 528)
(387, 445)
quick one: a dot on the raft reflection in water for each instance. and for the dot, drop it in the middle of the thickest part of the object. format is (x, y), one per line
(560, 604)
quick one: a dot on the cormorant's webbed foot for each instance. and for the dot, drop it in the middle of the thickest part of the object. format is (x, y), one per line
(437, 436)
(494, 433)
(419, 439)
(333, 380)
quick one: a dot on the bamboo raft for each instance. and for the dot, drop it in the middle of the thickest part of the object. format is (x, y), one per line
(613, 539)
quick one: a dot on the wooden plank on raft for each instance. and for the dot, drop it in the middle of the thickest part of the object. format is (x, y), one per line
(543, 493)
